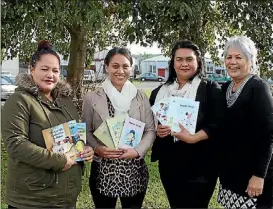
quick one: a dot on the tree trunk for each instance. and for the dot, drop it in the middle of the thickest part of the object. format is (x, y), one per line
(76, 64)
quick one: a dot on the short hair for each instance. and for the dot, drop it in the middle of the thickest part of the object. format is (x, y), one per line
(132, 132)
(247, 47)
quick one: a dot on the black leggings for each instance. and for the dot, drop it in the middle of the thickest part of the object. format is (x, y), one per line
(102, 201)
(266, 199)
(183, 193)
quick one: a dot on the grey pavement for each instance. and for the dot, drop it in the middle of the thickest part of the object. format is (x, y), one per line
(147, 85)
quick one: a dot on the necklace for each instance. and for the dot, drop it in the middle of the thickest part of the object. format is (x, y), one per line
(233, 96)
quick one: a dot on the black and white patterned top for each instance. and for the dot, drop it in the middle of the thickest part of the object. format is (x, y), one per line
(229, 199)
(121, 178)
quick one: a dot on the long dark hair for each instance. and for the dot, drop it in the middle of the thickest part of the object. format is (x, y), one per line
(188, 45)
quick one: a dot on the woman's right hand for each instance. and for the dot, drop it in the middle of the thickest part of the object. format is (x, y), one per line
(106, 152)
(69, 161)
(163, 131)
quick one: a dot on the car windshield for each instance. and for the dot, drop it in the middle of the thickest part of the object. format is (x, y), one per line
(5, 82)
(12, 79)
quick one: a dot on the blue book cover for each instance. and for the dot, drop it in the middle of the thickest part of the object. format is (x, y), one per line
(131, 133)
(76, 138)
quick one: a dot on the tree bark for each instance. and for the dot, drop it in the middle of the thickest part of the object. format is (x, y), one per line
(78, 47)
(76, 63)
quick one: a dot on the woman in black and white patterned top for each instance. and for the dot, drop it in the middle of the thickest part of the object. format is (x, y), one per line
(118, 173)
(246, 165)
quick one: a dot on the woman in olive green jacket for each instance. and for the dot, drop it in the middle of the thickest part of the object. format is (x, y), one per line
(36, 177)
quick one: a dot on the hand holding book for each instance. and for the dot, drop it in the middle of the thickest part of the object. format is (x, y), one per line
(87, 154)
(186, 136)
(163, 131)
(106, 152)
(69, 161)
(129, 153)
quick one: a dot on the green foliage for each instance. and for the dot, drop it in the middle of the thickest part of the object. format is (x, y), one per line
(93, 25)
(76, 28)
(207, 23)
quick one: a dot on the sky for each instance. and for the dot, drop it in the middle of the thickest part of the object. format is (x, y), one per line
(137, 49)
(154, 49)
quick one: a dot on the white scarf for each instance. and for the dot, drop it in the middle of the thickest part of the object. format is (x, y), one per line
(121, 101)
(188, 91)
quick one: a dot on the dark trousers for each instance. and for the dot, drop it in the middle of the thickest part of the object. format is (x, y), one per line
(183, 192)
(266, 199)
(102, 201)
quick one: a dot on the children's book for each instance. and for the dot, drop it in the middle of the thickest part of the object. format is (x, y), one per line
(64, 138)
(103, 134)
(160, 110)
(76, 138)
(131, 133)
(184, 111)
(115, 126)
(82, 131)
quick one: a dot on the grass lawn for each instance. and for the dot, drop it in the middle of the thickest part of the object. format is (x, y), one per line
(155, 196)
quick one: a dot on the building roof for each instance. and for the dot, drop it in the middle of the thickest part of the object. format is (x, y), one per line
(160, 58)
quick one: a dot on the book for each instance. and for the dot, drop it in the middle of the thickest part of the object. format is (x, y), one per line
(184, 111)
(103, 134)
(131, 133)
(64, 138)
(82, 131)
(76, 138)
(115, 126)
(160, 110)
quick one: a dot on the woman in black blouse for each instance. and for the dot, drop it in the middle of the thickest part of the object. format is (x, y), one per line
(187, 167)
(246, 173)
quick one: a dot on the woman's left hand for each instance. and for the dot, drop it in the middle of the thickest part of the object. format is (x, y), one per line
(184, 135)
(87, 154)
(255, 186)
(129, 153)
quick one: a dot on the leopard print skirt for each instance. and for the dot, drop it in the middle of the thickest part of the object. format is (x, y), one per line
(121, 178)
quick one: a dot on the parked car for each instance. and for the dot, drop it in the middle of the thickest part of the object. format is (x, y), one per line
(219, 78)
(6, 73)
(89, 76)
(10, 79)
(149, 77)
(7, 88)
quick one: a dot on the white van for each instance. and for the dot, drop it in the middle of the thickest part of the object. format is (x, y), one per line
(89, 76)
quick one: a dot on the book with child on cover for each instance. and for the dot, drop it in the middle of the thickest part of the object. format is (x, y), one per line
(65, 138)
(184, 111)
(131, 133)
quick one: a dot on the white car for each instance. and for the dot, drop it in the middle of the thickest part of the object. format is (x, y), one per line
(7, 89)
(89, 76)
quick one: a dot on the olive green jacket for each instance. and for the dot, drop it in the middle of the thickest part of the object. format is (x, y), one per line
(34, 175)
